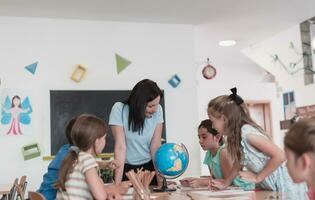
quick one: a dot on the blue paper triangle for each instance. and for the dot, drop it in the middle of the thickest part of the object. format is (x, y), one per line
(32, 67)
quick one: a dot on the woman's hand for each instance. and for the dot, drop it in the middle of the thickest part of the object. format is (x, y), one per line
(104, 164)
(249, 176)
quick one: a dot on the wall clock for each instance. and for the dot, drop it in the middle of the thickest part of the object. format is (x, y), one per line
(209, 72)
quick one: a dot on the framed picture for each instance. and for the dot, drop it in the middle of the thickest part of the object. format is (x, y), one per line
(289, 107)
(78, 73)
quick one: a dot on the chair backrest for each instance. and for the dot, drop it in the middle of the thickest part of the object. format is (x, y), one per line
(12, 195)
(35, 196)
(21, 187)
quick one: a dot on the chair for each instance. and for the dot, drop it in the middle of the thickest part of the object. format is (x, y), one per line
(12, 195)
(35, 196)
(21, 187)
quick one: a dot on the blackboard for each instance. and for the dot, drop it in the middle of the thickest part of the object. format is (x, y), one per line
(66, 104)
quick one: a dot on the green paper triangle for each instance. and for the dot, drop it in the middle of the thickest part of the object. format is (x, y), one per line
(121, 63)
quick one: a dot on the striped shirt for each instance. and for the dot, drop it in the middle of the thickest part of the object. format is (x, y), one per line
(76, 185)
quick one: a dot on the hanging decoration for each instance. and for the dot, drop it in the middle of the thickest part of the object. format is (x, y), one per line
(292, 67)
(174, 81)
(78, 73)
(208, 71)
(121, 63)
(32, 68)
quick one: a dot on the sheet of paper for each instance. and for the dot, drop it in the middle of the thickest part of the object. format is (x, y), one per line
(222, 193)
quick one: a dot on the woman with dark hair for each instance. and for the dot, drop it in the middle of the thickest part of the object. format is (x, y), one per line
(137, 128)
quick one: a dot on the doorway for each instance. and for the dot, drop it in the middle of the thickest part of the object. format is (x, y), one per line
(260, 111)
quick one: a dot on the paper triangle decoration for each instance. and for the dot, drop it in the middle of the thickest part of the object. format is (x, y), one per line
(32, 67)
(121, 63)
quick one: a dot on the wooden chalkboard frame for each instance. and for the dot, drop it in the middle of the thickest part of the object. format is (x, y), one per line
(66, 104)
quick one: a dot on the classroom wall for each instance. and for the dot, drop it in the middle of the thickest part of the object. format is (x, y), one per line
(157, 52)
(261, 52)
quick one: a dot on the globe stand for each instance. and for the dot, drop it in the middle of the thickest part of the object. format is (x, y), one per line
(165, 152)
(164, 187)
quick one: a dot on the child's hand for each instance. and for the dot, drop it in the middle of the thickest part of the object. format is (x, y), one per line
(196, 183)
(113, 197)
(186, 181)
(218, 184)
(113, 192)
(249, 176)
(199, 182)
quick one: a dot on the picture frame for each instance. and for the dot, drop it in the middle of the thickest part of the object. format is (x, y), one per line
(78, 73)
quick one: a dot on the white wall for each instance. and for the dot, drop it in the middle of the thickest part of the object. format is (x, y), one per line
(157, 52)
(233, 69)
(279, 44)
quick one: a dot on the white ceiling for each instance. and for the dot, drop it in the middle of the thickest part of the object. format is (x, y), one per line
(249, 17)
(247, 21)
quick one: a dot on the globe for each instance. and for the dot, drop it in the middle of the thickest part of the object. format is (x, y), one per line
(171, 160)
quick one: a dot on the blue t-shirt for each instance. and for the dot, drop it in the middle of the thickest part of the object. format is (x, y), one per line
(51, 176)
(137, 146)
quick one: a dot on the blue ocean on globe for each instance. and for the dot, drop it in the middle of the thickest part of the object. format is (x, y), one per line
(171, 159)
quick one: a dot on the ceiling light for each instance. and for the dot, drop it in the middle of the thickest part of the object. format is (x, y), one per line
(227, 43)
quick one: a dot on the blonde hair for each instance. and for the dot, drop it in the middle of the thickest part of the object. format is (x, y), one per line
(237, 114)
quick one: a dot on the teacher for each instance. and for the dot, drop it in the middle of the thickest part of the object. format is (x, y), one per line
(137, 126)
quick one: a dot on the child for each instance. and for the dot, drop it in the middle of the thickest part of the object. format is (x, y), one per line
(299, 145)
(78, 175)
(50, 178)
(217, 158)
(250, 147)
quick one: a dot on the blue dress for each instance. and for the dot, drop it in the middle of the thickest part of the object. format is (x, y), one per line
(279, 180)
(51, 176)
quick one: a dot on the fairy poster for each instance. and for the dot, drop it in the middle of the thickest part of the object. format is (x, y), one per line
(16, 112)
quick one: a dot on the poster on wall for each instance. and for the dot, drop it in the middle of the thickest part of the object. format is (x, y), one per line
(16, 112)
(289, 107)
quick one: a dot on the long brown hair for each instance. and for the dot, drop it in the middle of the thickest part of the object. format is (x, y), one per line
(85, 131)
(237, 115)
(301, 137)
